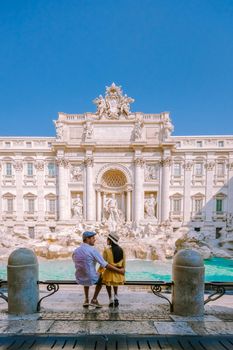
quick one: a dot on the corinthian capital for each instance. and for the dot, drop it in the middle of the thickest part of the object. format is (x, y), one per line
(210, 165)
(18, 166)
(89, 161)
(39, 165)
(139, 161)
(62, 162)
(166, 162)
(188, 165)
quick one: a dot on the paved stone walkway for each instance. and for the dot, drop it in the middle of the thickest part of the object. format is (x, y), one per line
(140, 313)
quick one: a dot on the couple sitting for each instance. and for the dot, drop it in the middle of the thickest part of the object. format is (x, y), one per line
(111, 272)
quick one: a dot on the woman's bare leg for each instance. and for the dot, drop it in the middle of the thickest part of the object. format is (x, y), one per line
(116, 301)
(109, 290)
(86, 294)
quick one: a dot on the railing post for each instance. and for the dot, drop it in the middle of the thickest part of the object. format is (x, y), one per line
(188, 277)
(23, 289)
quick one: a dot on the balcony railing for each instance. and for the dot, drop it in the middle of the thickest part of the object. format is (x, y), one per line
(220, 179)
(176, 215)
(198, 179)
(50, 179)
(197, 216)
(29, 179)
(175, 179)
(50, 215)
(30, 215)
(219, 215)
(9, 215)
(8, 180)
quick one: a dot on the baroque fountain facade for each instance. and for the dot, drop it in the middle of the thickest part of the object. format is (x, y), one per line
(117, 170)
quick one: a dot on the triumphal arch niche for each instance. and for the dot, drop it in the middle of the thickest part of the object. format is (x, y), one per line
(113, 165)
(114, 184)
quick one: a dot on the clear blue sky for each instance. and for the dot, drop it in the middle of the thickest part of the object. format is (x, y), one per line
(170, 55)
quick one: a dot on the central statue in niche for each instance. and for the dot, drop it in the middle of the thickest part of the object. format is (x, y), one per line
(112, 213)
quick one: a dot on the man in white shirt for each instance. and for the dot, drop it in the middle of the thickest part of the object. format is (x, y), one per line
(85, 258)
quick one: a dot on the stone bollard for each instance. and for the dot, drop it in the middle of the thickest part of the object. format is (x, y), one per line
(22, 275)
(189, 280)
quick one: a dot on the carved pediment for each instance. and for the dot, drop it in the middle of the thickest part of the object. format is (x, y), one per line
(114, 105)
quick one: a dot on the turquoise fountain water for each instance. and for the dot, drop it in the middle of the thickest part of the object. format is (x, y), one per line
(217, 269)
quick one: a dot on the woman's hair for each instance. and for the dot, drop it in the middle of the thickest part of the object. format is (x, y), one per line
(117, 252)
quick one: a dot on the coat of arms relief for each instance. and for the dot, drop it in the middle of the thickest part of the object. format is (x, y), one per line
(114, 105)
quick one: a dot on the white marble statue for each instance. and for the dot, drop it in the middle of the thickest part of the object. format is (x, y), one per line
(101, 105)
(138, 130)
(87, 130)
(125, 107)
(112, 211)
(114, 105)
(149, 205)
(59, 130)
(167, 126)
(77, 208)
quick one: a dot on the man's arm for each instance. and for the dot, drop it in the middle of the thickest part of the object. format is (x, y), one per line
(119, 270)
(104, 264)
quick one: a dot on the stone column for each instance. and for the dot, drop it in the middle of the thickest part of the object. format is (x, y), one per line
(90, 194)
(62, 189)
(123, 203)
(40, 189)
(103, 203)
(209, 190)
(165, 203)
(98, 206)
(187, 190)
(128, 209)
(138, 190)
(19, 185)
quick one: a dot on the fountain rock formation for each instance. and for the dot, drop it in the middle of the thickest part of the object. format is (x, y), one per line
(155, 242)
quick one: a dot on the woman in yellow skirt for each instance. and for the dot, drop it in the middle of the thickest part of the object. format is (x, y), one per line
(114, 255)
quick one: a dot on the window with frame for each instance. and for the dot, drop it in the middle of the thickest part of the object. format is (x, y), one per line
(52, 205)
(220, 143)
(177, 169)
(198, 205)
(9, 169)
(198, 169)
(220, 169)
(51, 169)
(219, 205)
(31, 205)
(199, 144)
(30, 169)
(177, 205)
(10, 205)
